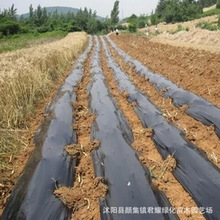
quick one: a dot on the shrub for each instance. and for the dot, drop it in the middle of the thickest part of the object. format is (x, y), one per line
(218, 4)
(9, 27)
(154, 19)
(75, 28)
(43, 29)
(24, 30)
(206, 25)
(132, 27)
(121, 27)
(141, 24)
(36, 33)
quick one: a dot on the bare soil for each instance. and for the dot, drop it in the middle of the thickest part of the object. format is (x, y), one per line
(209, 8)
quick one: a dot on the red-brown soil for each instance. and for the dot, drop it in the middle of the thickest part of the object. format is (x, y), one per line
(194, 70)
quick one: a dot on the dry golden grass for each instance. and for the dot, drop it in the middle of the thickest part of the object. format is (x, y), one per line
(209, 8)
(28, 75)
(163, 27)
(194, 38)
(197, 38)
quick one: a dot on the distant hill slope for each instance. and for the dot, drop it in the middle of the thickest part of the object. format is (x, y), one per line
(209, 8)
(61, 10)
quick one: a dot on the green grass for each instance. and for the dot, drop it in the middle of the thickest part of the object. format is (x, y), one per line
(19, 41)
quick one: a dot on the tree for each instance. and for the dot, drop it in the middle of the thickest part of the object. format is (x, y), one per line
(154, 19)
(44, 15)
(115, 13)
(31, 12)
(132, 18)
(12, 12)
(81, 19)
(218, 4)
(9, 27)
(38, 16)
(206, 3)
(161, 7)
(132, 27)
(172, 11)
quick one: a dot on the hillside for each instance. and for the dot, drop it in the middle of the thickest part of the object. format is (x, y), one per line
(60, 10)
(209, 8)
(195, 37)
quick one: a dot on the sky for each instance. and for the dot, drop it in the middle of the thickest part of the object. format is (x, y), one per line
(102, 7)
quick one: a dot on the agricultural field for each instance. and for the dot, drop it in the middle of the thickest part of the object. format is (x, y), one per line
(27, 78)
(132, 132)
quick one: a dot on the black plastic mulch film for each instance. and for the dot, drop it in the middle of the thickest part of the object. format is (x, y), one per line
(198, 107)
(49, 165)
(194, 171)
(129, 183)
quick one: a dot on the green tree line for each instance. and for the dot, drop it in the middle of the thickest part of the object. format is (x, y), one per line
(207, 3)
(172, 11)
(39, 20)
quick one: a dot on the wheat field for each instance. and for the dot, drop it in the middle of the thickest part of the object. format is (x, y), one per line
(26, 76)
